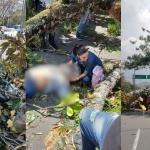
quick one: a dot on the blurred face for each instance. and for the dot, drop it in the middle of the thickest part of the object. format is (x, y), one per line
(84, 56)
(140, 99)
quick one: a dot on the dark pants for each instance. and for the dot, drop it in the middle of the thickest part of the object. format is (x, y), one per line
(42, 36)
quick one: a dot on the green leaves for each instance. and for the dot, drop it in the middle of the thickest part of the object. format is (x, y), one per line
(69, 99)
(15, 104)
(69, 111)
(31, 115)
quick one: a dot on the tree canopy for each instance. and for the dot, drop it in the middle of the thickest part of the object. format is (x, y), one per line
(142, 60)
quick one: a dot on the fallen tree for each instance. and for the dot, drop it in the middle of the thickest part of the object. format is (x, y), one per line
(59, 12)
(103, 89)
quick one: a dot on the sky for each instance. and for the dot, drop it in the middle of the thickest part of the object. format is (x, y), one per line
(134, 15)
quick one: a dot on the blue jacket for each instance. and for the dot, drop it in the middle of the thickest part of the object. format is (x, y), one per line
(91, 62)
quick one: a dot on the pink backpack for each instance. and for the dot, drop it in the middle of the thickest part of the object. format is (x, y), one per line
(97, 76)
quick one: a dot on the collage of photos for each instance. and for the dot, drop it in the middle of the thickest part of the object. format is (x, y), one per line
(74, 75)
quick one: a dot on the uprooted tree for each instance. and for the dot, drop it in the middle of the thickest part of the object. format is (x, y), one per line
(142, 60)
(59, 12)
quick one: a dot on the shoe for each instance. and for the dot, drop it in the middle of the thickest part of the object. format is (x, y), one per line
(53, 46)
(84, 34)
(77, 141)
(79, 37)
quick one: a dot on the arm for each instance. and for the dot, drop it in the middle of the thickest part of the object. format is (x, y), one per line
(78, 78)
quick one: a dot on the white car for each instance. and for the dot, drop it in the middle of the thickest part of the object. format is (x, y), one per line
(10, 32)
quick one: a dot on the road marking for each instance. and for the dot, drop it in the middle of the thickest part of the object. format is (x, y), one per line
(136, 140)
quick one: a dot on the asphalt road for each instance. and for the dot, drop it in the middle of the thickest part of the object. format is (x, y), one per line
(135, 131)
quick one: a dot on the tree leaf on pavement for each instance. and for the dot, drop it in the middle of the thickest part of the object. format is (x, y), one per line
(52, 138)
(31, 115)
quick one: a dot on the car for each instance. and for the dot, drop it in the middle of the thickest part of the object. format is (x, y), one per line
(10, 32)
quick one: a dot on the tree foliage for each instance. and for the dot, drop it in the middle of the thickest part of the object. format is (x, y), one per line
(142, 60)
(6, 6)
(59, 12)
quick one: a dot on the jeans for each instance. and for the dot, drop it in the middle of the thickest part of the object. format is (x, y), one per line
(51, 37)
(86, 79)
(29, 86)
(84, 19)
(93, 126)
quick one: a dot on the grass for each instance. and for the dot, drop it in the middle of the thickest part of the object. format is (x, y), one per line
(113, 103)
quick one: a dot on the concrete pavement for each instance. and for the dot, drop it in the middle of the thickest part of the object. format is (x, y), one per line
(135, 131)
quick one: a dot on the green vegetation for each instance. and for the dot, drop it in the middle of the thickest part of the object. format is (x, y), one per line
(114, 29)
(71, 27)
(113, 103)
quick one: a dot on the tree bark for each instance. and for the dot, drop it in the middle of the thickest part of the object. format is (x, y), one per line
(103, 89)
(58, 13)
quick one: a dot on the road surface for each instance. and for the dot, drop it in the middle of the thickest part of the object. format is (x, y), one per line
(135, 131)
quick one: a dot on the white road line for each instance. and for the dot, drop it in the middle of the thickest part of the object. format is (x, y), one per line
(136, 140)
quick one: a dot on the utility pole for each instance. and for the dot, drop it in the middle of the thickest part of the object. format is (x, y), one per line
(134, 81)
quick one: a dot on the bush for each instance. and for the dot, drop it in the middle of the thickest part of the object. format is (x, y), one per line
(114, 29)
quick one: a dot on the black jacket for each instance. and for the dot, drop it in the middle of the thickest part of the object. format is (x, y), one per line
(34, 4)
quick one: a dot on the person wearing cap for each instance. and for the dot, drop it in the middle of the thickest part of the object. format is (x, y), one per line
(86, 61)
(98, 129)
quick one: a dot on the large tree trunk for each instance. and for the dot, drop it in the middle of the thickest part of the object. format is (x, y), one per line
(103, 89)
(58, 13)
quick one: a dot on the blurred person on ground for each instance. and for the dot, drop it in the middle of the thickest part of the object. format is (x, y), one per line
(98, 129)
(50, 78)
(38, 5)
(90, 65)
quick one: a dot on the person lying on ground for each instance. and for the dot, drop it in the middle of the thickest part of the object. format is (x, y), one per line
(49, 78)
(88, 63)
(98, 129)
